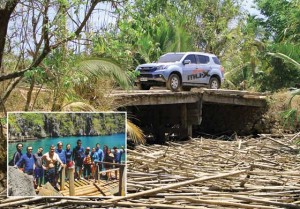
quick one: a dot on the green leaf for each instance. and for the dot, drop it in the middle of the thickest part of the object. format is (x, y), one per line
(286, 59)
(104, 67)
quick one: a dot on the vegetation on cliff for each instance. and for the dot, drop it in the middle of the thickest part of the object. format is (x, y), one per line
(65, 124)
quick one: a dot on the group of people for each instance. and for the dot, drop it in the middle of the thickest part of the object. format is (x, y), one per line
(48, 165)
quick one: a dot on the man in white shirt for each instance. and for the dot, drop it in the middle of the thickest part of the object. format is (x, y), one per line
(49, 160)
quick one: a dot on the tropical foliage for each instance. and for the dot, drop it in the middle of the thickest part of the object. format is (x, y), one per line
(60, 46)
(65, 124)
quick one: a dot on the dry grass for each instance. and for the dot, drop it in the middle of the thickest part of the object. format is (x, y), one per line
(278, 103)
(17, 100)
(93, 94)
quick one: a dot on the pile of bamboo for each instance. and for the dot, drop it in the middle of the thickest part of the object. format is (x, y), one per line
(202, 173)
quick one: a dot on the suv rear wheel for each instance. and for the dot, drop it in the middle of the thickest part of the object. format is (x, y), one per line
(174, 83)
(214, 83)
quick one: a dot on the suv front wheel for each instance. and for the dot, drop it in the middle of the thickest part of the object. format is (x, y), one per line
(174, 83)
(214, 83)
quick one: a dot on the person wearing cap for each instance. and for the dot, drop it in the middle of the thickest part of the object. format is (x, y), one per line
(87, 162)
(117, 157)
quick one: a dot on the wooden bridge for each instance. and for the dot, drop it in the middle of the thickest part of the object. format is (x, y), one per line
(159, 97)
(94, 187)
(158, 107)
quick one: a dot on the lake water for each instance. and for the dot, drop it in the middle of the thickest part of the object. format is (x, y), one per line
(117, 140)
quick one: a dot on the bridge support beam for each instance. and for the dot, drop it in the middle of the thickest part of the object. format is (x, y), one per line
(62, 176)
(184, 120)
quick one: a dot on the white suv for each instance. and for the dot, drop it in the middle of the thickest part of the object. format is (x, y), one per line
(181, 71)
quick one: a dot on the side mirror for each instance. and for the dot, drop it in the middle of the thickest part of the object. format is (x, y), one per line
(186, 62)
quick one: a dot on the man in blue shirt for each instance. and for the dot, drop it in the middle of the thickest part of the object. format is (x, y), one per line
(117, 157)
(28, 161)
(100, 152)
(61, 153)
(62, 156)
(100, 158)
(78, 156)
(95, 160)
(69, 160)
(118, 154)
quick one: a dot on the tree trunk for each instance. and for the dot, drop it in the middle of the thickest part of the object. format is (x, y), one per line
(4, 20)
(29, 93)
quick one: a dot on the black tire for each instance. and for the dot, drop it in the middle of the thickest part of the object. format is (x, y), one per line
(174, 83)
(214, 83)
(186, 88)
(142, 86)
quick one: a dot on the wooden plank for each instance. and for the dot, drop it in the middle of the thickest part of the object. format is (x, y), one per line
(71, 182)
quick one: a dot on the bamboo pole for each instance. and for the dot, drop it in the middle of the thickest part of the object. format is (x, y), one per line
(220, 203)
(284, 205)
(173, 186)
(10, 204)
(129, 204)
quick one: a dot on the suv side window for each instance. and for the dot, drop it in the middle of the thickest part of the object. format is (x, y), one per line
(192, 58)
(216, 60)
(202, 59)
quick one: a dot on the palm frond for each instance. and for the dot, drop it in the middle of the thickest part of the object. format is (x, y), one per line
(286, 59)
(293, 93)
(135, 133)
(104, 67)
(289, 117)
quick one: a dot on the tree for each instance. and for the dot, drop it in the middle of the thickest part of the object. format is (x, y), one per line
(282, 29)
(41, 31)
(144, 31)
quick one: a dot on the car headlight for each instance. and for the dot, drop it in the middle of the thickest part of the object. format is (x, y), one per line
(162, 67)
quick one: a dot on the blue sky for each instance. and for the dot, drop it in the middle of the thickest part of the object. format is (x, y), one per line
(248, 5)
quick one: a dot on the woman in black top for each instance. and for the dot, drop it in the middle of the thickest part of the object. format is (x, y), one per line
(108, 158)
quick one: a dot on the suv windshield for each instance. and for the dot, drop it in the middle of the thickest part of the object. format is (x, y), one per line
(170, 58)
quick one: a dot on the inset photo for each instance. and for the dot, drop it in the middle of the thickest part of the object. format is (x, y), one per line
(66, 154)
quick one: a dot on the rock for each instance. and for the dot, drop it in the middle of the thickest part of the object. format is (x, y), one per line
(55, 131)
(80, 132)
(48, 190)
(19, 183)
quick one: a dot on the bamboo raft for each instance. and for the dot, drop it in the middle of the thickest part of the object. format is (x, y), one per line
(201, 173)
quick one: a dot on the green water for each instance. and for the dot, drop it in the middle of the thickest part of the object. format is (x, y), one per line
(117, 140)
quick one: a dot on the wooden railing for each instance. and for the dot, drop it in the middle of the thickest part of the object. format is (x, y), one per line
(121, 168)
